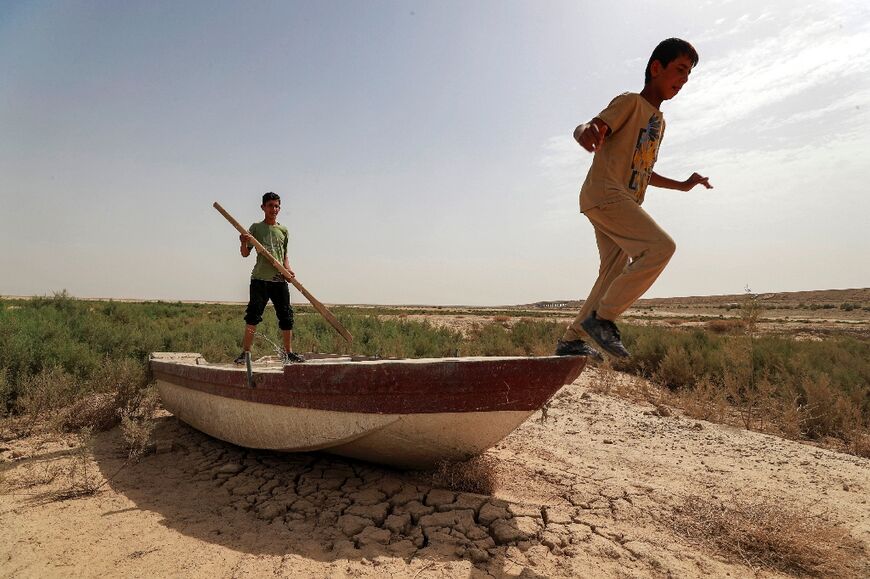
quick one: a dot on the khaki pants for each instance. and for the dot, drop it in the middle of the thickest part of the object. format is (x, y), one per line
(634, 250)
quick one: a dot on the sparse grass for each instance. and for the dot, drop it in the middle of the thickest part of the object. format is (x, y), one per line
(79, 476)
(606, 378)
(818, 389)
(768, 535)
(70, 473)
(31, 475)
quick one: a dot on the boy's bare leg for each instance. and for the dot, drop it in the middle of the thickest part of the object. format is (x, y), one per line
(290, 357)
(249, 337)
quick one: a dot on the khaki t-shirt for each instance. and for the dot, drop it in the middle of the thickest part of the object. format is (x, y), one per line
(274, 239)
(622, 167)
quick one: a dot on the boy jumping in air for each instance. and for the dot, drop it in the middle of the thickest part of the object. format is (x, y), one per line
(267, 283)
(634, 250)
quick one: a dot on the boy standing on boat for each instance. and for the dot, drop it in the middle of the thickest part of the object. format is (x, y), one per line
(634, 250)
(267, 283)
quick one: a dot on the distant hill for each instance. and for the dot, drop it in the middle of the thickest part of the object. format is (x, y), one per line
(820, 297)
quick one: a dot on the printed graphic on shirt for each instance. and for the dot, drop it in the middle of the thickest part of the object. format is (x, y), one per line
(276, 248)
(645, 153)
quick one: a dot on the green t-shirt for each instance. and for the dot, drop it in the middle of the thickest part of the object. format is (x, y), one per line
(274, 239)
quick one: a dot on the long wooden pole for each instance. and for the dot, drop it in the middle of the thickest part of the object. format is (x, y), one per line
(333, 321)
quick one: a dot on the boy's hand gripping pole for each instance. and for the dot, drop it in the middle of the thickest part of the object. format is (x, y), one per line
(333, 321)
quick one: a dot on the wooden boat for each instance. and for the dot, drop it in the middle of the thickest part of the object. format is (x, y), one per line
(409, 413)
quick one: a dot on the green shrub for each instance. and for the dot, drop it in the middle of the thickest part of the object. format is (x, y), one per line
(7, 394)
(56, 351)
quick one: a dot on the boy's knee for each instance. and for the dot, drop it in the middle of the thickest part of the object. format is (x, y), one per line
(252, 318)
(662, 250)
(254, 313)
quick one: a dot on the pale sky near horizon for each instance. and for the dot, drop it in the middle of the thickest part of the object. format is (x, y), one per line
(423, 150)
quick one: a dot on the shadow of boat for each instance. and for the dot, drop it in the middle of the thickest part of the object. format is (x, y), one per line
(319, 506)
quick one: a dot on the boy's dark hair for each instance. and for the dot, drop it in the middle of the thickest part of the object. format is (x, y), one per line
(270, 197)
(668, 50)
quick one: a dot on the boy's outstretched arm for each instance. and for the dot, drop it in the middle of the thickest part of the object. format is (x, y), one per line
(657, 180)
(591, 135)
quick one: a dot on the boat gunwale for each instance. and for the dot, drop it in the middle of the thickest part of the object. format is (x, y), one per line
(403, 386)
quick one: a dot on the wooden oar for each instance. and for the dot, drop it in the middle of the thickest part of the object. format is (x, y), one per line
(333, 321)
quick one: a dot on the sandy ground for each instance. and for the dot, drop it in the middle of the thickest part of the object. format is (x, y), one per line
(589, 492)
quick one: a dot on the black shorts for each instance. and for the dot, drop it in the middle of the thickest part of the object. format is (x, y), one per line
(263, 291)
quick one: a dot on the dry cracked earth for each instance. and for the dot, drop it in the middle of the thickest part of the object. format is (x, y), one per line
(590, 492)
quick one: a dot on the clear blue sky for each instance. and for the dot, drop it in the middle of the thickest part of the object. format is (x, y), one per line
(423, 149)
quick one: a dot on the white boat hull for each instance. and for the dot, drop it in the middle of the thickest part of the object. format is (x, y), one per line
(405, 440)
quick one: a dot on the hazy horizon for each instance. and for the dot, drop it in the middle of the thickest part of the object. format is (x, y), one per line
(459, 305)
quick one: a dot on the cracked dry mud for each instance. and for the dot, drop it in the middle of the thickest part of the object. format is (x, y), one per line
(589, 492)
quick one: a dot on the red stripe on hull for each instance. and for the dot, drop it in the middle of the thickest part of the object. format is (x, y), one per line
(389, 387)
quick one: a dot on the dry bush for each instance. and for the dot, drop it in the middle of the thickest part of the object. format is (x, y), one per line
(116, 390)
(768, 535)
(725, 326)
(606, 378)
(751, 397)
(859, 443)
(476, 475)
(79, 477)
(790, 417)
(675, 370)
(56, 401)
(747, 389)
(43, 395)
(641, 389)
(137, 423)
(827, 412)
(638, 389)
(706, 401)
(96, 411)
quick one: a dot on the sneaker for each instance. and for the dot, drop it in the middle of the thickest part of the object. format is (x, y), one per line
(606, 334)
(577, 348)
(240, 361)
(292, 358)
